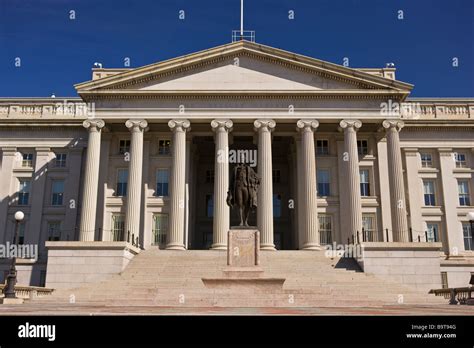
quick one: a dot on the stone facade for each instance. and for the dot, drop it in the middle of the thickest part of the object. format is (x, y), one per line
(135, 156)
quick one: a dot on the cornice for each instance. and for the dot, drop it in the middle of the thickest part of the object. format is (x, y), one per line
(242, 94)
(430, 127)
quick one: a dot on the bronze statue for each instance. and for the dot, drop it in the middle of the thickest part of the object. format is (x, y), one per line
(243, 191)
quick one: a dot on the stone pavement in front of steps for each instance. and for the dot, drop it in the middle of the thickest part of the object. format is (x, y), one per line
(87, 310)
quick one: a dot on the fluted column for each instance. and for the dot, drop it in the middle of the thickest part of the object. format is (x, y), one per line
(135, 173)
(175, 239)
(265, 192)
(351, 157)
(307, 176)
(397, 188)
(221, 220)
(91, 180)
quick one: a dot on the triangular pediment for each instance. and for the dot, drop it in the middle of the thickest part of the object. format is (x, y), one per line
(243, 73)
(241, 66)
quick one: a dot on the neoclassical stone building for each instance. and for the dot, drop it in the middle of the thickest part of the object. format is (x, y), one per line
(344, 155)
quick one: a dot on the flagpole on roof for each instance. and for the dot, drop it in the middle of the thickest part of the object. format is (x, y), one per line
(242, 17)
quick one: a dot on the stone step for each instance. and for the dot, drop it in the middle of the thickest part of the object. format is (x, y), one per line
(158, 278)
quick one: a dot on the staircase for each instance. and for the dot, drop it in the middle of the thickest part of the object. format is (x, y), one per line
(173, 278)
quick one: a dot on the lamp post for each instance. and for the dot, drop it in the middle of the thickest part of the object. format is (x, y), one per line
(11, 277)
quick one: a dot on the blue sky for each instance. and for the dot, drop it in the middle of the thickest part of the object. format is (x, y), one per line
(57, 52)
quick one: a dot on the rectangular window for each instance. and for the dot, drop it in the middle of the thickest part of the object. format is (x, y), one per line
(210, 176)
(54, 230)
(444, 280)
(276, 176)
(60, 160)
(27, 161)
(426, 160)
(368, 227)
(432, 232)
(323, 183)
(466, 229)
(364, 183)
(276, 205)
(21, 233)
(122, 181)
(124, 146)
(57, 189)
(463, 188)
(164, 147)
(24, 192)
(460, 160)
(162, 182)
(118, 227)
(325, 229)
(322, 147)
(429, 193)
(362, 147)
(160, 229)
(209, 206)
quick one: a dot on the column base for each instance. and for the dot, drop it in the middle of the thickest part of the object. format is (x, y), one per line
(218, 246)
(175, 247)
(312, 246)
(270, 247)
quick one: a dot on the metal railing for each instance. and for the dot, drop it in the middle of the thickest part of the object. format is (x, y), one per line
(159, 238)
(325, 237)
(248, 35)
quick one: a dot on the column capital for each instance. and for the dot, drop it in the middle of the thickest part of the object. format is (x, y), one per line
(303, 125)
(9, 151)
(180, 125)
(264, 125)
(348, 124)
(93, 125)
(136, 125)
(395, 124)
(411, 151)
(42, 150)
(445, 151)
(226, 125)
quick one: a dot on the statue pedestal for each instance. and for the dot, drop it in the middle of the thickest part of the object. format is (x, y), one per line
(243, 269)
(243, 247)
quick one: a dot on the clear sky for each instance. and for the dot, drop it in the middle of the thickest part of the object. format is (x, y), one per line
(57, 52)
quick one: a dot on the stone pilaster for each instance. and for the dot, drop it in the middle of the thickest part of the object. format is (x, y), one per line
(6, 178)
(265, 192)
(221, 220)
(71, 192)
(134, 190)
(414, 193)
(351, 158)
(175, 238)
(91, 180)
(397, 188)
(452, 238)
(307, 175)
(37, 195)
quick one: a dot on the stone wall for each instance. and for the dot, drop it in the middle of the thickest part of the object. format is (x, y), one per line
(413, 264)
(73, 264)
